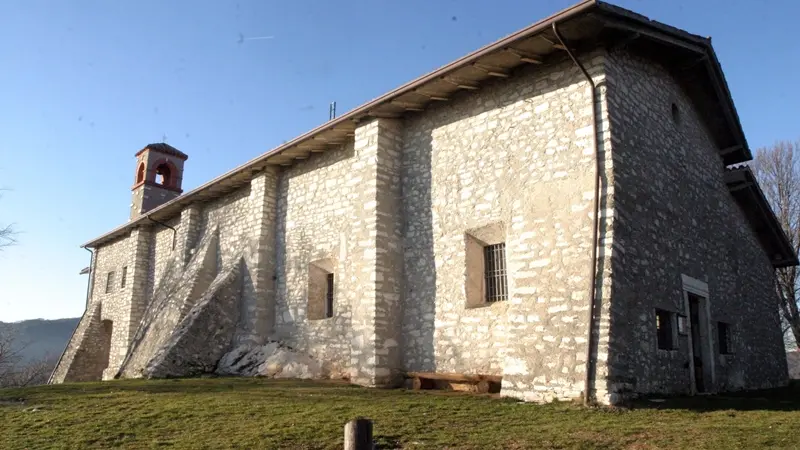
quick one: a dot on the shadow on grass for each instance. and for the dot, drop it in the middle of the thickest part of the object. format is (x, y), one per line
(779, 399)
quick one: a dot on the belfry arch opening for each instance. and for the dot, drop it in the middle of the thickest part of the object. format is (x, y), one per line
(164, 175)
(140, 173)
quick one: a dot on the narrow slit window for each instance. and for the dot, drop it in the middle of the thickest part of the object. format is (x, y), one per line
(495, 278)
(124, 277)
(321, 289)
(724, 338)
(109, 282)
(329, 296)
(664, 329)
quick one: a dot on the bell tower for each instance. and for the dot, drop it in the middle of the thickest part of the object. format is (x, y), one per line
(159, 173)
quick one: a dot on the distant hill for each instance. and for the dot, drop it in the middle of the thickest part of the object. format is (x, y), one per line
(39, 338)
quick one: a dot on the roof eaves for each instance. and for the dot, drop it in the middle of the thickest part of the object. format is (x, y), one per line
(699, 44)
(744, 176)
(675, 37)
(362, 110)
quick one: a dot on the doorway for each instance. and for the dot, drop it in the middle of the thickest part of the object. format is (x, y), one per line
(105, 341)
(701, 363)
(699, 356)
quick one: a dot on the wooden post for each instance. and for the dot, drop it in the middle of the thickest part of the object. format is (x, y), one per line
(358, 434)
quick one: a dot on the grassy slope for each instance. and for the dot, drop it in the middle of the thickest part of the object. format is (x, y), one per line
(258, 413)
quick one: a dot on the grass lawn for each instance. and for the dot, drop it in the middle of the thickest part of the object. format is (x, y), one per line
(251, 413)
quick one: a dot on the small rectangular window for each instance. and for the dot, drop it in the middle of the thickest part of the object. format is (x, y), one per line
(495, 279)
(329, 296)
(321, 289)
(664, 329)
(724, 338)
(124, 277)
(109, 282)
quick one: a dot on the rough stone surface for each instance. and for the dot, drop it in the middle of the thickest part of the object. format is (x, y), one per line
(178, 292)
(793, 360)
(398, 214)
(517, 157)
(205, 333)
(87, 361)
(676, 217)
(273, 360)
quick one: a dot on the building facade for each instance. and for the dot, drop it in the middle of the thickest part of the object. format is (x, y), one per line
(561, 208)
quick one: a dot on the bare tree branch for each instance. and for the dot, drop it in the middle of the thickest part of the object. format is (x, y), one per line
(14, 371)
(7, 234)
(778, 171)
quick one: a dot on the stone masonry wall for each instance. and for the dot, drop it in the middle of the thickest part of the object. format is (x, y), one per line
(389, 213)
(516, 155)
(230, 228)
(86, 357)
(675, 216)
(161, 252)
(115, 299)
(317, 218)
(257, 307)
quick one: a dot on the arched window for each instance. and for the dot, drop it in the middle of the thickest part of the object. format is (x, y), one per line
(164, 175)
(140, 173)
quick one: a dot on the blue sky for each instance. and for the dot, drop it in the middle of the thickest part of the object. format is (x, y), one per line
(85, 84)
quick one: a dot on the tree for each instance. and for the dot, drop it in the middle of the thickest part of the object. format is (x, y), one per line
(7, 235)
(14, 371)
(778, 171)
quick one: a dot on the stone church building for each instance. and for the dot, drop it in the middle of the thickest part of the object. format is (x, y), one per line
(565, 208)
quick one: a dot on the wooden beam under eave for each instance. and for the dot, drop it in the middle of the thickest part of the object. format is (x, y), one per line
(385, 115)
(552, 42)
(461, 84)
(408, 106)
(729, 150)
(491, 70)
(740, 187)
(309, 145)
(436, 97)
(524, 56)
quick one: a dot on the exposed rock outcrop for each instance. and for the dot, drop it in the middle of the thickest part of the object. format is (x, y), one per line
(176, 294)
(205, 333)
(274, 360)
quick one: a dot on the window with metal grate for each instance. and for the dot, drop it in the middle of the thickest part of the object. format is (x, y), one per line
(495, 279)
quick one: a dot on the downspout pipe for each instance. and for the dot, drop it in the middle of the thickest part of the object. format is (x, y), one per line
(91, 276)
(85, 308)
(174, 232)
(593, 271)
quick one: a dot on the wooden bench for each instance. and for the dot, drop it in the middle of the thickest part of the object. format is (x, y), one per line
(455, 381)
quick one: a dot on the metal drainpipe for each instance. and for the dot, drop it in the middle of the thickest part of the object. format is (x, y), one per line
(91, 277)
(593, 273)
(165, 225)
(85, 308)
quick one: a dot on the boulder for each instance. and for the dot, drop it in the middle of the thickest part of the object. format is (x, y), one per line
(273, 360)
